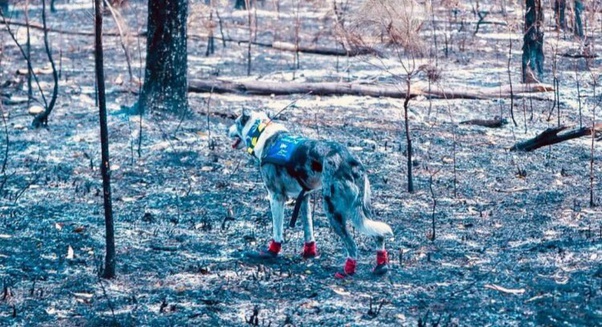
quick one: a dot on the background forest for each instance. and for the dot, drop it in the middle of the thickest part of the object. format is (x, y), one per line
(488, 230)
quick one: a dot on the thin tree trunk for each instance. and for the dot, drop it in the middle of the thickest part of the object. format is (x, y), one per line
(406, 103)
(579, 8)
(105, 168)
(533, 57)
(42, 118)
(28, 50)
(559, 13)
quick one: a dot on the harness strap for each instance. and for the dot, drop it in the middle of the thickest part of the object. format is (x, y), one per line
(300, 198)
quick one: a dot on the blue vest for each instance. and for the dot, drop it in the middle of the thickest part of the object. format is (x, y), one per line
(281, 151)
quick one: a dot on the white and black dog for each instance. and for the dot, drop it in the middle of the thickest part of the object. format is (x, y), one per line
(291, 166)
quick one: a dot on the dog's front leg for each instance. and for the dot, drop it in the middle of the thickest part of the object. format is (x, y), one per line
(277, 207)
(309, 248)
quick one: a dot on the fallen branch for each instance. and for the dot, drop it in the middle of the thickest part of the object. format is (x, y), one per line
(57, 30)
(333, 88)
(287, 46)
(284, 46)
(552, 136)
(579, 55)
(505, 290)
(314, 49)
(496, 122)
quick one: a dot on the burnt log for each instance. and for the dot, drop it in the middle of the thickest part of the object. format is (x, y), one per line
(373, 90)
(496, 122)
(551, 136)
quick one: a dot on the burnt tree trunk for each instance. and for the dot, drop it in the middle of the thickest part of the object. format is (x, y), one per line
(165, 80)
(559, 13)
(4, 8)
(578, 28)
(533, 56)
(105, 168)
(240, 5)
(42, 119)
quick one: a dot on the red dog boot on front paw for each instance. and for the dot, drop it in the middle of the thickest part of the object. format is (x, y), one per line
(270, 253)
(348, 270)
(309, 250)
(382, 262)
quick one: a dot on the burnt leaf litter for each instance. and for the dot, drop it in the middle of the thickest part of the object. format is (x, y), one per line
(517, 242)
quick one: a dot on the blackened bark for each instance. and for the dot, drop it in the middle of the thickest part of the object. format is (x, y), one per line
(559, 13)
(551, 136)
(42, 118)
(533, 57)
(240, 5)
(406, 103)
(105, 168)
(579, 8)
(165, 79)
(3, 7)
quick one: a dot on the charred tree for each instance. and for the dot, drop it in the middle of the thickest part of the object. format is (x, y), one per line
(4, 8)
(578, 28)
(559, 13)
(105, 168)
(533, 57)
(240, 5)
(42, 119)
(165, 80)
(406, 103)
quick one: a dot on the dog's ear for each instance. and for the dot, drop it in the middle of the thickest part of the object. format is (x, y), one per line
(244, 118)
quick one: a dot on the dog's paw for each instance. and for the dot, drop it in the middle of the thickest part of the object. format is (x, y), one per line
(309, 250)
(348, 270)
(381, 269)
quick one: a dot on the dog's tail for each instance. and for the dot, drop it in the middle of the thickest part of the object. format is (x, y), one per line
(365, 224)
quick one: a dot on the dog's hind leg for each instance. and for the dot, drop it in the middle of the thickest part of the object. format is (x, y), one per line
(309, 248)
(338, 223)
(382, 259)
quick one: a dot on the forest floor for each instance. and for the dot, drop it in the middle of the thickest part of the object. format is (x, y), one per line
(517, 242)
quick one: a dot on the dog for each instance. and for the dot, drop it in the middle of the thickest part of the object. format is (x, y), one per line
(293, 166)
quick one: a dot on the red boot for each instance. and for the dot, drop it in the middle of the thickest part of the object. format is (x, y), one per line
(309, 250)
(271, 253)
(382, 261)
(348, 270)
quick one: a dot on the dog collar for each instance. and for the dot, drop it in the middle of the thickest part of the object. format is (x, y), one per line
(253, 135)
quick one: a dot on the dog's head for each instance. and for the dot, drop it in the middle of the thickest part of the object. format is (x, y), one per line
(243, 125)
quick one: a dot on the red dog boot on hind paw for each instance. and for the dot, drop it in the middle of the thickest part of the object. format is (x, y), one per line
(270, 253)
(382, 262)
(348, 270)
(309, 250)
